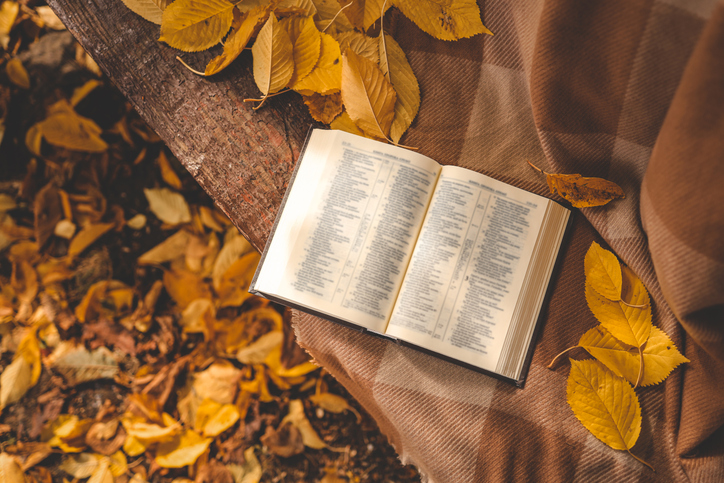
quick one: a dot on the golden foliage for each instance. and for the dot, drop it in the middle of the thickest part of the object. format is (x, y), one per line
(398, 71)
(326, 77)
(273, 57)
(195, 25)
(580, 191)
(444, 19)
(243, 28)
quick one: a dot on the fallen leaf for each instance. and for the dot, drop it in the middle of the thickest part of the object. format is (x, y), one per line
(87, 236)
(65, 128)
(297, 417)
(580, 191)
(285, 441)
(367, 94)
(630, 325)
(198, 317)
(603, 272)
(324, 108)
(250, 471)
(333, 403)
(234, 284)
(243, 29)
(171, 248)
(259, 350)
(67, 432)
(345, 123)
(170, 207)
(605, 404)
(184, 287)
(444, 19)
(184, 450)
(232, 250)
(105, 437)
(149, 433)
(306, 42)
(329, 18)
(273, 57)
(15, 381)
(167, 172)
(660, 355)
(81, 92)
(363, 13)
(360, 43)
(49, 18)
(195, 25)
(80, 365)
(213, 418)
(305, 7)
(151, 10)
(8, 14)
(79, 465)
(326, 77)
(218, 382)
(394, 64)
(17, 73)
(102, 473)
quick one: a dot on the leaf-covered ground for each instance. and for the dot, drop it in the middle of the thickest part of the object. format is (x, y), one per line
(130, 349)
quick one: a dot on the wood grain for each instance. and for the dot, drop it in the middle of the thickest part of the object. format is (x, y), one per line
(241, 157)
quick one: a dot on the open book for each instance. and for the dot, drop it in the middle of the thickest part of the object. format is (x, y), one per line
(439, 258)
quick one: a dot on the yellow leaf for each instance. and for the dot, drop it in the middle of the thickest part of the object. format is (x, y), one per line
(324, 108)
(80, 365)
(17, 73)
(257, 351)
(360, 43)
(444, 19)
(10, 470)
(273, 57)
(87, 236)
(149, 433)
(326, 77)
(80, 466)
(345, 123)
(660, 355)
(368, 96)
(151, 10)
(213, 418)
(171, 248)
(603, 272)
(395, 66)
(297, 417)
(244, 27)
(198, 316)
(333, 403)
(605, 404)
(15, 381)
(630, 325)
(195, 25)
(329, 18)
(133, 447)
(305, 6)
(218, 382)
(250, 472)
(184, 450)
(65, 128)
(234, 283)
(170, 207)
(49, 18)
(306, 42)
(363, 13)
(167, 172)
(184, 287)
(29, 349)
(81, 92)
(102, 473)
(8, 14)
(232, 250)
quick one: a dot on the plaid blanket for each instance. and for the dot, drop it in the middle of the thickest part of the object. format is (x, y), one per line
(628, 90)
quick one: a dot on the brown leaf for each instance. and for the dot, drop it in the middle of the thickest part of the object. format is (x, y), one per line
(286, 441)
(48, 212)
(582, 192)
(184, 287)
(292, 353)
(106, 333)
(105, 438)
(324, 108)
(87, 236)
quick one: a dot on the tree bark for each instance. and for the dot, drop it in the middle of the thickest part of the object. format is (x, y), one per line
(241, 157)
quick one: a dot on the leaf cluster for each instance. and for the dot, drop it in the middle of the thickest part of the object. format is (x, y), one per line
(351, 74)
(627, 349)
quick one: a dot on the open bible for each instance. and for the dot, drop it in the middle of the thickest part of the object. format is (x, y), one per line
(439, 258)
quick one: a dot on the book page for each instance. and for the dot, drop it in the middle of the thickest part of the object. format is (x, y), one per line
(348, 228)
(466, 273)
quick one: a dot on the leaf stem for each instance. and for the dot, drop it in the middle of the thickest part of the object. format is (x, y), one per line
(634, 306)
(535, 167)
(189, 67)
(384, 43)
(559, 355)
(336, 15)
(641, 368)
(641, 461)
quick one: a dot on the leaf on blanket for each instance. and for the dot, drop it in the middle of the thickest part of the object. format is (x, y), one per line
(444, 20)
(603, 272)
(582, 192)
(605, 404)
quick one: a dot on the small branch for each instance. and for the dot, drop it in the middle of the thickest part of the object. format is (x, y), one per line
(559, 355)
(188, 67)
(641, 461)
(536, 167)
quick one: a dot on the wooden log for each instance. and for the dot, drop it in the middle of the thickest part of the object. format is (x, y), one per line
(241, 157)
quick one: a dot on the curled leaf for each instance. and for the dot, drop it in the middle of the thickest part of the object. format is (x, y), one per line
(444, 19)
(17, 73)
(244, 27)
(582, 192)
(324, 108)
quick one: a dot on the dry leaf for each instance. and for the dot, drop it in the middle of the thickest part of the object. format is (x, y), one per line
(8, 14)
(80, 365)
(49, 18)
(630, 325)
(259, 350)
(218, 382)
(305, 7)
(87, 236)
(17, 73)
(605, 404)
(80, 466)
(285, 441)
(326, 78)
(307, 45)
(361, 44)
(329, 18)
(167, 172)
(65, 128)
(184, 286)
(102, 473)
(273, 57)
(213, 418)
(660, 355)
(170, 207)
(324, 108)
(368, 96)
(232, 250)
(580, 191)
(333, 403)
(15, 381)
(297, 417)
(151, 10)
(394, 64)
(243, 29)
(603, 272)
(363, 13)
(184, 450)
(171, 248)
(195, 25)
(250, 472)
(234, 284)
(198, 317)
(444, 19)
(81, 92)
(345, 123)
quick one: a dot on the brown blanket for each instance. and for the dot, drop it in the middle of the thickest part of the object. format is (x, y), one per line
(628, 90)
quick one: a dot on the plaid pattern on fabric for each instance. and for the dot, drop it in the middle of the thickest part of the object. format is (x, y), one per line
(628, 90)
